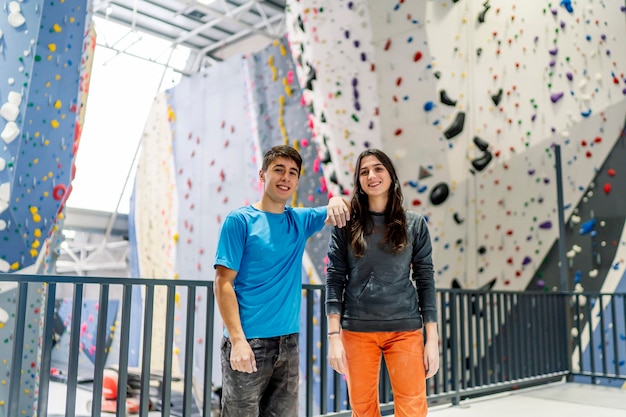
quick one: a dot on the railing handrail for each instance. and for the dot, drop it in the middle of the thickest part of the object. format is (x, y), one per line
(70, 279)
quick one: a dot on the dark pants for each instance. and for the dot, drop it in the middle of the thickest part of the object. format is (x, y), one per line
(271, 391)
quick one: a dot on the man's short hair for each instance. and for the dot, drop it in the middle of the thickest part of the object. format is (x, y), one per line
(282, 151)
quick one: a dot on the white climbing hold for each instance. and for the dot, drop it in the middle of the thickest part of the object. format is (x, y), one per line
(10, 132)
(9, 112)
(16, 19)
(4, 266)
(15, 98)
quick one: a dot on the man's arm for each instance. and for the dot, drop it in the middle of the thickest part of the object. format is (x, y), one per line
(338, 211)
(241, 355)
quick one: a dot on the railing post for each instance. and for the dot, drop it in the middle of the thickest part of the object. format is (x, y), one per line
(18, 345)
(72, 371)
(189, 342)
(454, 354)
(146, 352)
(309, 352)
(101, 346)
(46, 351)
(166, 392)
(323, 355)
(208, 352)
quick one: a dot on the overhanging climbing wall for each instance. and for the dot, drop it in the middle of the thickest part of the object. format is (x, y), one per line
(44, 51)
(40, 88)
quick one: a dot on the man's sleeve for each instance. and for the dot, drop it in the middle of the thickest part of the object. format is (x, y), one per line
(231, 243)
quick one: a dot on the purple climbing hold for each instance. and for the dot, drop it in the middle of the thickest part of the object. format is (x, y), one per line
(553, 51)
(526, 260)
(546, 225)
(541, 283)
(569, 76)
(531, 171)
(556, 97)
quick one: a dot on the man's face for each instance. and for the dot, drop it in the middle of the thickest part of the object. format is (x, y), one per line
(280, 179)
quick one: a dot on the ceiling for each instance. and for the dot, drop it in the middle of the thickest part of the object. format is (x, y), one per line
(213, 30)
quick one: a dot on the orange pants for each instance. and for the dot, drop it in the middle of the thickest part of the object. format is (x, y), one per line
(404, 356)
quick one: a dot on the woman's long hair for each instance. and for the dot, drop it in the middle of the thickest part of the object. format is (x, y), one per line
(362, 224)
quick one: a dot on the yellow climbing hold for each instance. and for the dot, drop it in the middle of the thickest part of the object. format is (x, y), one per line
(54, 123)
(57, 28)
(52, 47)
(57, 104)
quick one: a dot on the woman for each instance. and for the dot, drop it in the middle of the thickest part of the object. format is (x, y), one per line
(380, 292)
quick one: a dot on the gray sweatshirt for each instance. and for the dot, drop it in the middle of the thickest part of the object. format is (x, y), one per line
(382, 292)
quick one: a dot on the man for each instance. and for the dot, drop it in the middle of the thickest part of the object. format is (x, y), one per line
(258, 290)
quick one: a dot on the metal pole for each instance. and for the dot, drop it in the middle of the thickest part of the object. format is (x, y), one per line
(563, 261)
(560, 209)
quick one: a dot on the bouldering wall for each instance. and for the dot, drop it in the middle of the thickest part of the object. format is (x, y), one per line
(45, 51)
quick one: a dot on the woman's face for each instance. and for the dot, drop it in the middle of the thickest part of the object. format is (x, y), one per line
(374, 177)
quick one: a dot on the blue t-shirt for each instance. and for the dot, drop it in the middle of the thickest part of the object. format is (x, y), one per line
(266, 251)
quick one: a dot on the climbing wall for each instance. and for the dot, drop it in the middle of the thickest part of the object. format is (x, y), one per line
(214, 172)
(153, 216)
(42, 46)
(45, 50)
(469, 98)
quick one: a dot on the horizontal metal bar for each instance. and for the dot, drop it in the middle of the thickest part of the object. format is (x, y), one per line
(102, 280)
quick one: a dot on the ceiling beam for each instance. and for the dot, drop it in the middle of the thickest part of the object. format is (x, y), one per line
(209, 24)
(207, 51)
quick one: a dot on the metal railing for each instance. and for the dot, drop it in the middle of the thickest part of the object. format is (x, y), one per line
(490, 342)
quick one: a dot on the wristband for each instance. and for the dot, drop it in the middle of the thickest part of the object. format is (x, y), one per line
(332, 333)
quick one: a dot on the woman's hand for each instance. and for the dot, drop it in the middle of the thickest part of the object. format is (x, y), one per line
(336, 353)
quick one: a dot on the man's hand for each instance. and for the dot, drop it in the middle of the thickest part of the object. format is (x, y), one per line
(338, 212)
(242, 358)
